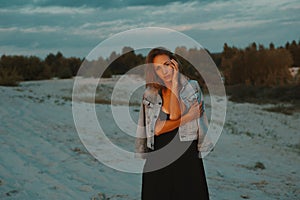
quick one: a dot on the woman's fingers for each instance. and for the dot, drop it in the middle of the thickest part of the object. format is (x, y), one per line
(196, 109)
(174, 63)
(201, 108)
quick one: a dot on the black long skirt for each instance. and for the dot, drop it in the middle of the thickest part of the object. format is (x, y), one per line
(182, 179)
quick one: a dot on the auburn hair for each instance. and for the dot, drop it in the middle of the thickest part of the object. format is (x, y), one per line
(152, 79)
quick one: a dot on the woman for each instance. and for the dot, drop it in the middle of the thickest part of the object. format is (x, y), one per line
(172, 126)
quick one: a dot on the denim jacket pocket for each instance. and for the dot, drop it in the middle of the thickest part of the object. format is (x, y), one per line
(189, 130)
(147, 103)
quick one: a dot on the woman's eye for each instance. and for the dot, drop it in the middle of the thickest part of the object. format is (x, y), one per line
(167, 63)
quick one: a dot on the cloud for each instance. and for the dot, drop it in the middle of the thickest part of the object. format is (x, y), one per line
(89, 3)
(56, 10)
(221, 24)
(40, 29)
(51, 10)
(65, 24)
(9, 29)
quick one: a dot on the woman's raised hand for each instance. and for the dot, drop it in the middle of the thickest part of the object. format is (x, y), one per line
(195, 111)
(175, 71)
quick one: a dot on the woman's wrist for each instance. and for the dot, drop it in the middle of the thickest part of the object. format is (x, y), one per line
(175, 88)
(185, 118)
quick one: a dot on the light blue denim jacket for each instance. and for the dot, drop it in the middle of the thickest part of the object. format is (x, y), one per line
(149, 112)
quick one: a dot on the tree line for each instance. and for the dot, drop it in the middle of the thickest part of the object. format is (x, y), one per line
(17, 68)
(254, 65)
(260, 66)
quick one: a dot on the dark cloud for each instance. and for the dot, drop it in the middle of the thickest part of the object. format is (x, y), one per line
(90, 3)
(12, 3)
(75, 27)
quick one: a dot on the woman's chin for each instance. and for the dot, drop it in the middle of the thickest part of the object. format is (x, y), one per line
(168, 81)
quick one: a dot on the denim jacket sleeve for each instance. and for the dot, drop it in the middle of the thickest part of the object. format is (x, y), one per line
(141, 138)
(150, 107)
(204, 141)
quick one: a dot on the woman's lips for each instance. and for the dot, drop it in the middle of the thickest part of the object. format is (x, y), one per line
(167, 77)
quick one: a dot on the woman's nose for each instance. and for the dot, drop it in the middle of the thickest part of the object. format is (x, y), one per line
(166, 69)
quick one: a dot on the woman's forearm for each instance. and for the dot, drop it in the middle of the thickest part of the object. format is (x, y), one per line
(177, 107)
(194, 112)
(163, 126)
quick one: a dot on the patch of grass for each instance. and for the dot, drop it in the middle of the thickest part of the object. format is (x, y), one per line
(287, 110)
(264, 95)
(66, 98)
(261, 94)
(102, 196)
(32, 98)
(260, 183)
(102, 101)
(79, 150)
(244, 196)
(99, 196)
(295, 148)
(57, 102)
(231, 128)
(19, 89)
(249, 134)
(257, 165)
(12, 192)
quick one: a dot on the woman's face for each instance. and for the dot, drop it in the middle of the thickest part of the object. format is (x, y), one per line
(163, 68)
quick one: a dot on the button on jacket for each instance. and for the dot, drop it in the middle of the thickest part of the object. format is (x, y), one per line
(149, 112)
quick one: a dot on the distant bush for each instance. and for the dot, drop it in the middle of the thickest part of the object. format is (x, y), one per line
(263, 94)
(257, 66)
(14, 67)
(64, 72)
(240, 93)
(9, 77)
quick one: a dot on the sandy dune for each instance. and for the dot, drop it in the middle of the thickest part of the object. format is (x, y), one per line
(42, 157)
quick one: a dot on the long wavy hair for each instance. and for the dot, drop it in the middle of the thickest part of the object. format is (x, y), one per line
(152, 79)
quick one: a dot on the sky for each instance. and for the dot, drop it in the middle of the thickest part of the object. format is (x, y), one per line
(75, 27)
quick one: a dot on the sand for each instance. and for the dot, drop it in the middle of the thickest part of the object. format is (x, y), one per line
(42, 156)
